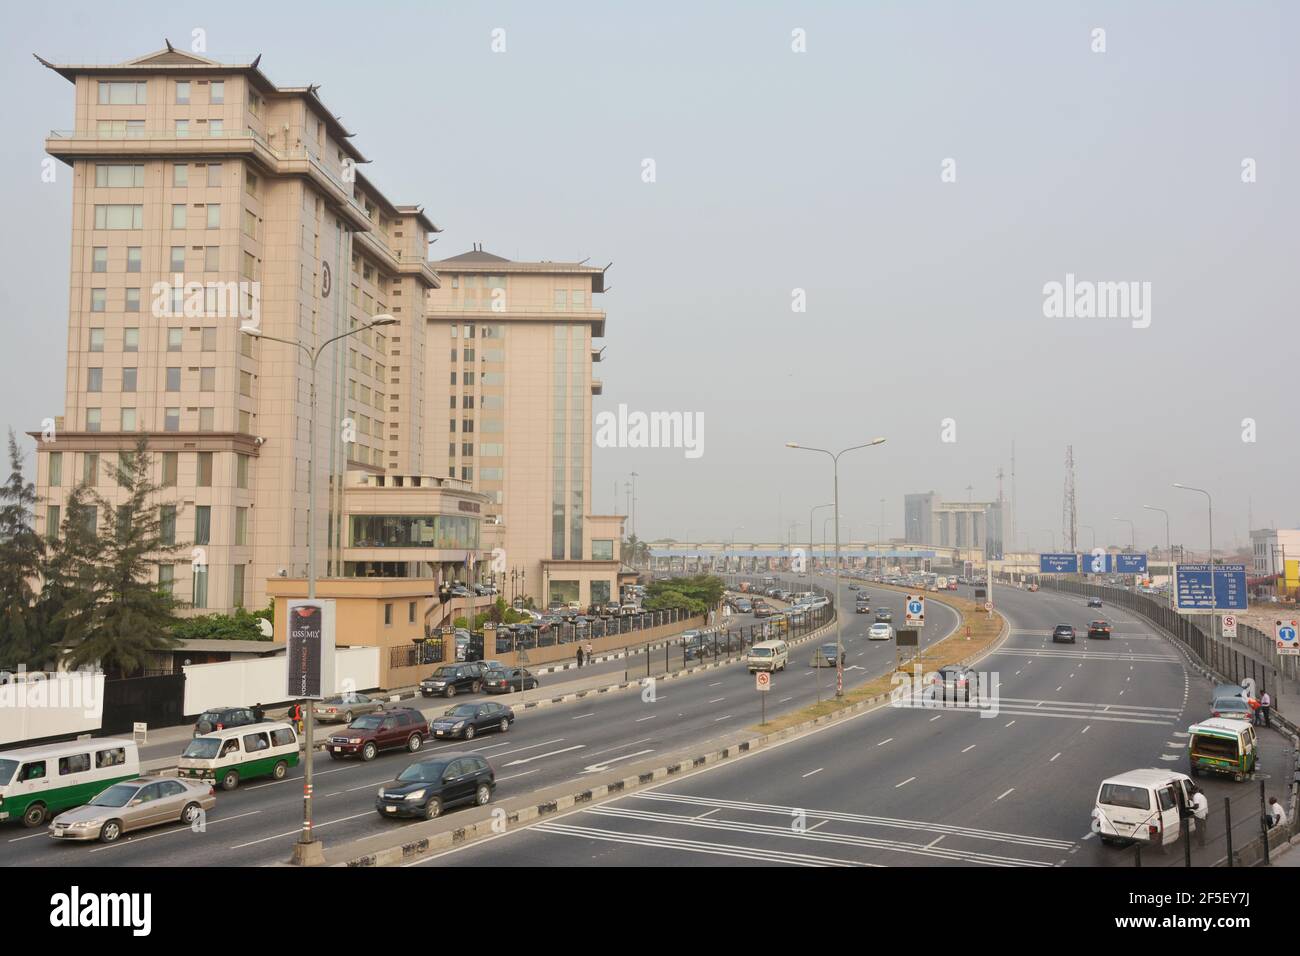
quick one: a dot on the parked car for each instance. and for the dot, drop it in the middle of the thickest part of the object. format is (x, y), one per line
(427, 787)
(1063, 633)
(1099, 629)
(466, 720)
(345, 707)
(1233, 706)
(452, 679)
(219, 718)
(134, 805)
(503, 680)
(366, 736)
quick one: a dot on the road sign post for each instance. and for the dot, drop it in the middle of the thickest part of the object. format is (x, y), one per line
(1284, 633)
(763, 681)
(1229, 626)
(914, 612)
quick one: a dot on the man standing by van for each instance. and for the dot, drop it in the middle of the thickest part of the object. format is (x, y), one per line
(1265, 702)
(1201, 813)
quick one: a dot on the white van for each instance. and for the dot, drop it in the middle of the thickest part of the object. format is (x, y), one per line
(1142, 806)
(769, 656)
(236, 754)
(37, 783)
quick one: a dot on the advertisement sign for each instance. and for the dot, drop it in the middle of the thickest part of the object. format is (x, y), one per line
(1098, 562)
(1058, 564)
(310, 649)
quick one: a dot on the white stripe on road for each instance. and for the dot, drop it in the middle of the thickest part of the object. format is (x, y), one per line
(811, 772)
(904, 783)
(1012, 790)
(553, 753)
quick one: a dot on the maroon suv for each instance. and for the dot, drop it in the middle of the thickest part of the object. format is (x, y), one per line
(366, 736)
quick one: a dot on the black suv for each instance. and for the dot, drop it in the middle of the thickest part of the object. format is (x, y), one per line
(427, 787)
(219, 718)
(1063, 633)
(451, 679)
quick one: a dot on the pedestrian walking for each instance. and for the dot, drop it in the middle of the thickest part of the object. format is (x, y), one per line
(1265, 702)
(579, 655)
(1201, 813)
(590, 652)
(295, 716)
(259, 714)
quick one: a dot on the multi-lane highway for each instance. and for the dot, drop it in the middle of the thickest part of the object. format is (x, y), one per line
(919, 786)
(258, 823)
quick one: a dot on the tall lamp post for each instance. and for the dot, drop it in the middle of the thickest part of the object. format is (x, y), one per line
(835, 464)
(1214, 598)
(812, 511)
(1169, 551)
(1132, 533)
(308, 851)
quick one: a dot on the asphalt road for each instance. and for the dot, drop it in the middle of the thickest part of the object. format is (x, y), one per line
(258, 823)
(929, 786)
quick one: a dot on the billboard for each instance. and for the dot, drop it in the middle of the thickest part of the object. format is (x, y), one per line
(310, 647)
(1193, 587)
(1058, 564)
(1098, 562)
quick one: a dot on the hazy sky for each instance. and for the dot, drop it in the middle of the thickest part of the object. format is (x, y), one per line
(821, 171)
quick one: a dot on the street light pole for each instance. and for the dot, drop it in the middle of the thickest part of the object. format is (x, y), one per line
(1169, 552)
(835, 463)
(1214, 597)
(308, 851)
(811, 511)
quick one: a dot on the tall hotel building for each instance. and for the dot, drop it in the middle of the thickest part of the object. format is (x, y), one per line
(186, 170)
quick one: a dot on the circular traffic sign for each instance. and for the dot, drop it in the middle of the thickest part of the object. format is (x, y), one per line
(988, 605)
(914, 607)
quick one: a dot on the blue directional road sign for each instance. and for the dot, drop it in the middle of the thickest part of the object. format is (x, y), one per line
(1058, 564)
(1130, 564)
(1097, 563)
(1192, 583)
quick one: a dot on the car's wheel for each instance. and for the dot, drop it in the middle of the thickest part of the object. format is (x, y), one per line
(469, 731)
(110, 831)
(414, 743)
(483, 795)
(369, 751)
(230, 781)
(347, 718)
(451, 691)
(34, 815)
(190, 813)
(433, 808)
(281, 768)
(334, 756)
(477, 686)
(505, 724)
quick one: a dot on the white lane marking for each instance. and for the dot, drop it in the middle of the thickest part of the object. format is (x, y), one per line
(707, 812)
(784, 699)
(651, 717)
(623, 745)
(1060, 687)
(1012, 790)
(717, 700)
(517, 750)
(819, 823)
(885, 741)
(724, 717)
(515, 776)
(715, 683)
(581, 716)
(1012, 722)
(1053, 760)
(811, 772)
(604, 764)
(935, 717)
(971, 747)
(298, 830)
(553, 753)
(904, 783)
(1089, 835)
(1085, 729)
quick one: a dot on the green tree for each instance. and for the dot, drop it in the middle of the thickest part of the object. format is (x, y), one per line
(123, 616)
(22, 553)
(240, 626)
(695, 594)
(69, 566)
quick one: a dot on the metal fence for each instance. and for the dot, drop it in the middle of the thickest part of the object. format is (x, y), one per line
(424, 652)
(1236, 832)
(510, 638)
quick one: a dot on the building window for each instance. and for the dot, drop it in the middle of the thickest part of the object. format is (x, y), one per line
(177, 263)
(170, 465)
(92, 419)
(121, 93)
(207, 380)
(208, 341)
(52, 518)
(182, 92)
(133, 259)
(214, 216)
(205, 469)
(172, 420)
(602, 549)
(216, 127)
(207, 419)
(175, 339)
(178, 216)
(132, 301)
(173, 378)
(167, 524)
(250, 225)
(166, 578)
(94, 379)
(561, 300)
(119, 129)
(212, 259)
(99, 259)
(410, 612)
(214, 175)
(237, 585)
(90, 468)
(180, 174)
(182, 129)
(202, 524)
(96, 340)
(98, 300)
(200, 598)
(241, 526)
(246, 384)
(55, 469)
(388, 614)
(217, 92)
(119, 217)
(119, 177)
(128, 379)
(241, 471)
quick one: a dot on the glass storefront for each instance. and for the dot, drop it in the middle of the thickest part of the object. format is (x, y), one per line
(599, 592)
(563, 592)
(446, 532)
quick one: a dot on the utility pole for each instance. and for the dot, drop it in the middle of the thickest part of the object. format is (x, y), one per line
(1069, 509)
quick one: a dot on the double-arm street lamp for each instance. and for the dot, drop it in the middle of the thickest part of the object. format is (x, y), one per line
(812, 511)
(1169, 551)
(835, 463)
(1214, 598)
(308, 850)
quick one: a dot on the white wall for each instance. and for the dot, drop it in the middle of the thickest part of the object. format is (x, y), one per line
(67, 703)
(262, 680)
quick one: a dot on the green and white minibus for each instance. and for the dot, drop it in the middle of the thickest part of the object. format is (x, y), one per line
(38, 782)
(236, 754)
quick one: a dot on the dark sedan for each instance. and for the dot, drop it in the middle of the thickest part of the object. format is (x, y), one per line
(426, 788)
(503, 680)
(467, 720)
(1099, 629)
(884, 616)
(1063, 633)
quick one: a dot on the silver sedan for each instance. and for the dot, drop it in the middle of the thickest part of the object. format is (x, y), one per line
(133, 805)
(344, 707)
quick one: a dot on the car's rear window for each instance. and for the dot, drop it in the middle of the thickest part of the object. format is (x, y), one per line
(760, 652)
(1120, 795)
